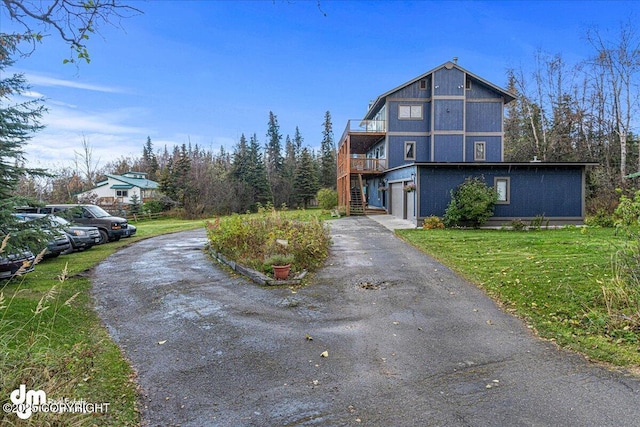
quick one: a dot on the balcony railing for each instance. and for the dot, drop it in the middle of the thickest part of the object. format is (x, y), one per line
(357, 126)
(367, 126)
(361, 164)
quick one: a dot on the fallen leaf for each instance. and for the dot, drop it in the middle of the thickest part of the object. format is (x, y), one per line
(324, 354)
(162, 342)
(308, 337)
(489, 322)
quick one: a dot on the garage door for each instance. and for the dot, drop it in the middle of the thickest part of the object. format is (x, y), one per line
(397, 200)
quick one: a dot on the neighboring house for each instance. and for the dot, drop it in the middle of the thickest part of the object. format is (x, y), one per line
(422, 139)
(120, 188)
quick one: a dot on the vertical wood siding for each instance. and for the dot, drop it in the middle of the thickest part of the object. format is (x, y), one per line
(484, 117)
(448, 82)
(550, 191)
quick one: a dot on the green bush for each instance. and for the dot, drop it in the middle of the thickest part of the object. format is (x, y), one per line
(432, 222)
(471, 204)
(602, 218)
(327, 198)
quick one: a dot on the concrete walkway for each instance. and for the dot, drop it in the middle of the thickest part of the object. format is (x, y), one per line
(382, 336)
(392, 222)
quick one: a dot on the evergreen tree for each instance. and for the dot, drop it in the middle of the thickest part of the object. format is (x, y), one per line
(306, 183)
(274, 158)
(149, 160)
(18, 122)
(257, 179)
(328, 167)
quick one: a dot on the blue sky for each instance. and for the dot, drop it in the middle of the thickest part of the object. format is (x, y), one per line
(207, 71)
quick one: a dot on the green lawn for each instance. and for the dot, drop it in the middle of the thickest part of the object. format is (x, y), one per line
(64, 350)
(552, 279)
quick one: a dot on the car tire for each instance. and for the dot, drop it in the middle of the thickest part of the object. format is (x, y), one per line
(104, 237)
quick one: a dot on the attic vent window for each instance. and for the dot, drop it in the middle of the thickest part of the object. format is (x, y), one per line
(423, 84)
(468, 84)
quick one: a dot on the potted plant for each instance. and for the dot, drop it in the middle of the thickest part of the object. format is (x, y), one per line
(280, 264)
(410, 187)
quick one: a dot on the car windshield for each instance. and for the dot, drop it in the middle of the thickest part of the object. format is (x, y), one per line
(60, 221)
(97, 211)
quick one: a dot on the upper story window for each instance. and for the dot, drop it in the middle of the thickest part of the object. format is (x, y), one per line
(467, 84)
(410, 112)
(409, 150)
(479, 151)
(423, 84)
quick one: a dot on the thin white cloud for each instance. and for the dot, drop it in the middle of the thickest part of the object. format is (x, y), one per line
(40, 80)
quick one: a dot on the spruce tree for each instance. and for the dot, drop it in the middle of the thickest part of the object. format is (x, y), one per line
(328, 168)
(306, 183)
(257, 178)
(19, 120)
(274, 158)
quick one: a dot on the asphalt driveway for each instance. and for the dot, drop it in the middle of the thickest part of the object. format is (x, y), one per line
(408, 343)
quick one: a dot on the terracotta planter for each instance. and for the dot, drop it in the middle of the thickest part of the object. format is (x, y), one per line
(281, 272)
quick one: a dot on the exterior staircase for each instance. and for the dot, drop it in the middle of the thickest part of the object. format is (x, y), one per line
(355, 205)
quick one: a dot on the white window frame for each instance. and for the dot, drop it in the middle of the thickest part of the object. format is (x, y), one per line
(409, 112)
(479, 155)
(406, 150)
(502, 185)
(423, 84)
(122, 193)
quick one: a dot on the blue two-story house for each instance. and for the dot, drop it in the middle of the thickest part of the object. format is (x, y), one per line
(421, 140)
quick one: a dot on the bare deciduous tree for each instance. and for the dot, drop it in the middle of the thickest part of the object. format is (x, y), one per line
(617, 62)
(74, 20)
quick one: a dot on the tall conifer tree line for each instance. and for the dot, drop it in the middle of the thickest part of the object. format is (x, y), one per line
(279, 170)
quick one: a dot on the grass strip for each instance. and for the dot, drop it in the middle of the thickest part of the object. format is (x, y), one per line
(552, 279)
(51, 339)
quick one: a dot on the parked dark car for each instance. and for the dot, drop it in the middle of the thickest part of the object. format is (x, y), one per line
(110, 227)
(11, 263)
(58, 242)
(81, 237)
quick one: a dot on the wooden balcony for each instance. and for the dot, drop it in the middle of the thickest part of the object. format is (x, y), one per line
(362, 165)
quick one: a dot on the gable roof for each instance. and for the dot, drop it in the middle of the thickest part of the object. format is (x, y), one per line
(143, 183)
(380, 100)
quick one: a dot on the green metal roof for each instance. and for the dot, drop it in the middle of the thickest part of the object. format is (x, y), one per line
(143, 183)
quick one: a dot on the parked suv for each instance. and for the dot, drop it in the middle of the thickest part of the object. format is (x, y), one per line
(110, 227)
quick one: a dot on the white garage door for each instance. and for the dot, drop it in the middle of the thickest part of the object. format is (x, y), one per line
(397, 200)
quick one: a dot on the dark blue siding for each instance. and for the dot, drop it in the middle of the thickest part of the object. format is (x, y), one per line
(484, 117)
(493, 146)
(478, 90)
(448, 114)
(413, 90)
(395, 155)
(550, 191)
(395, 125)
(448, 82)
(448, 148)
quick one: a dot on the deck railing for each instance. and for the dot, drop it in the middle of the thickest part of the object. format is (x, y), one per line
(362, 164)
(356, 126)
